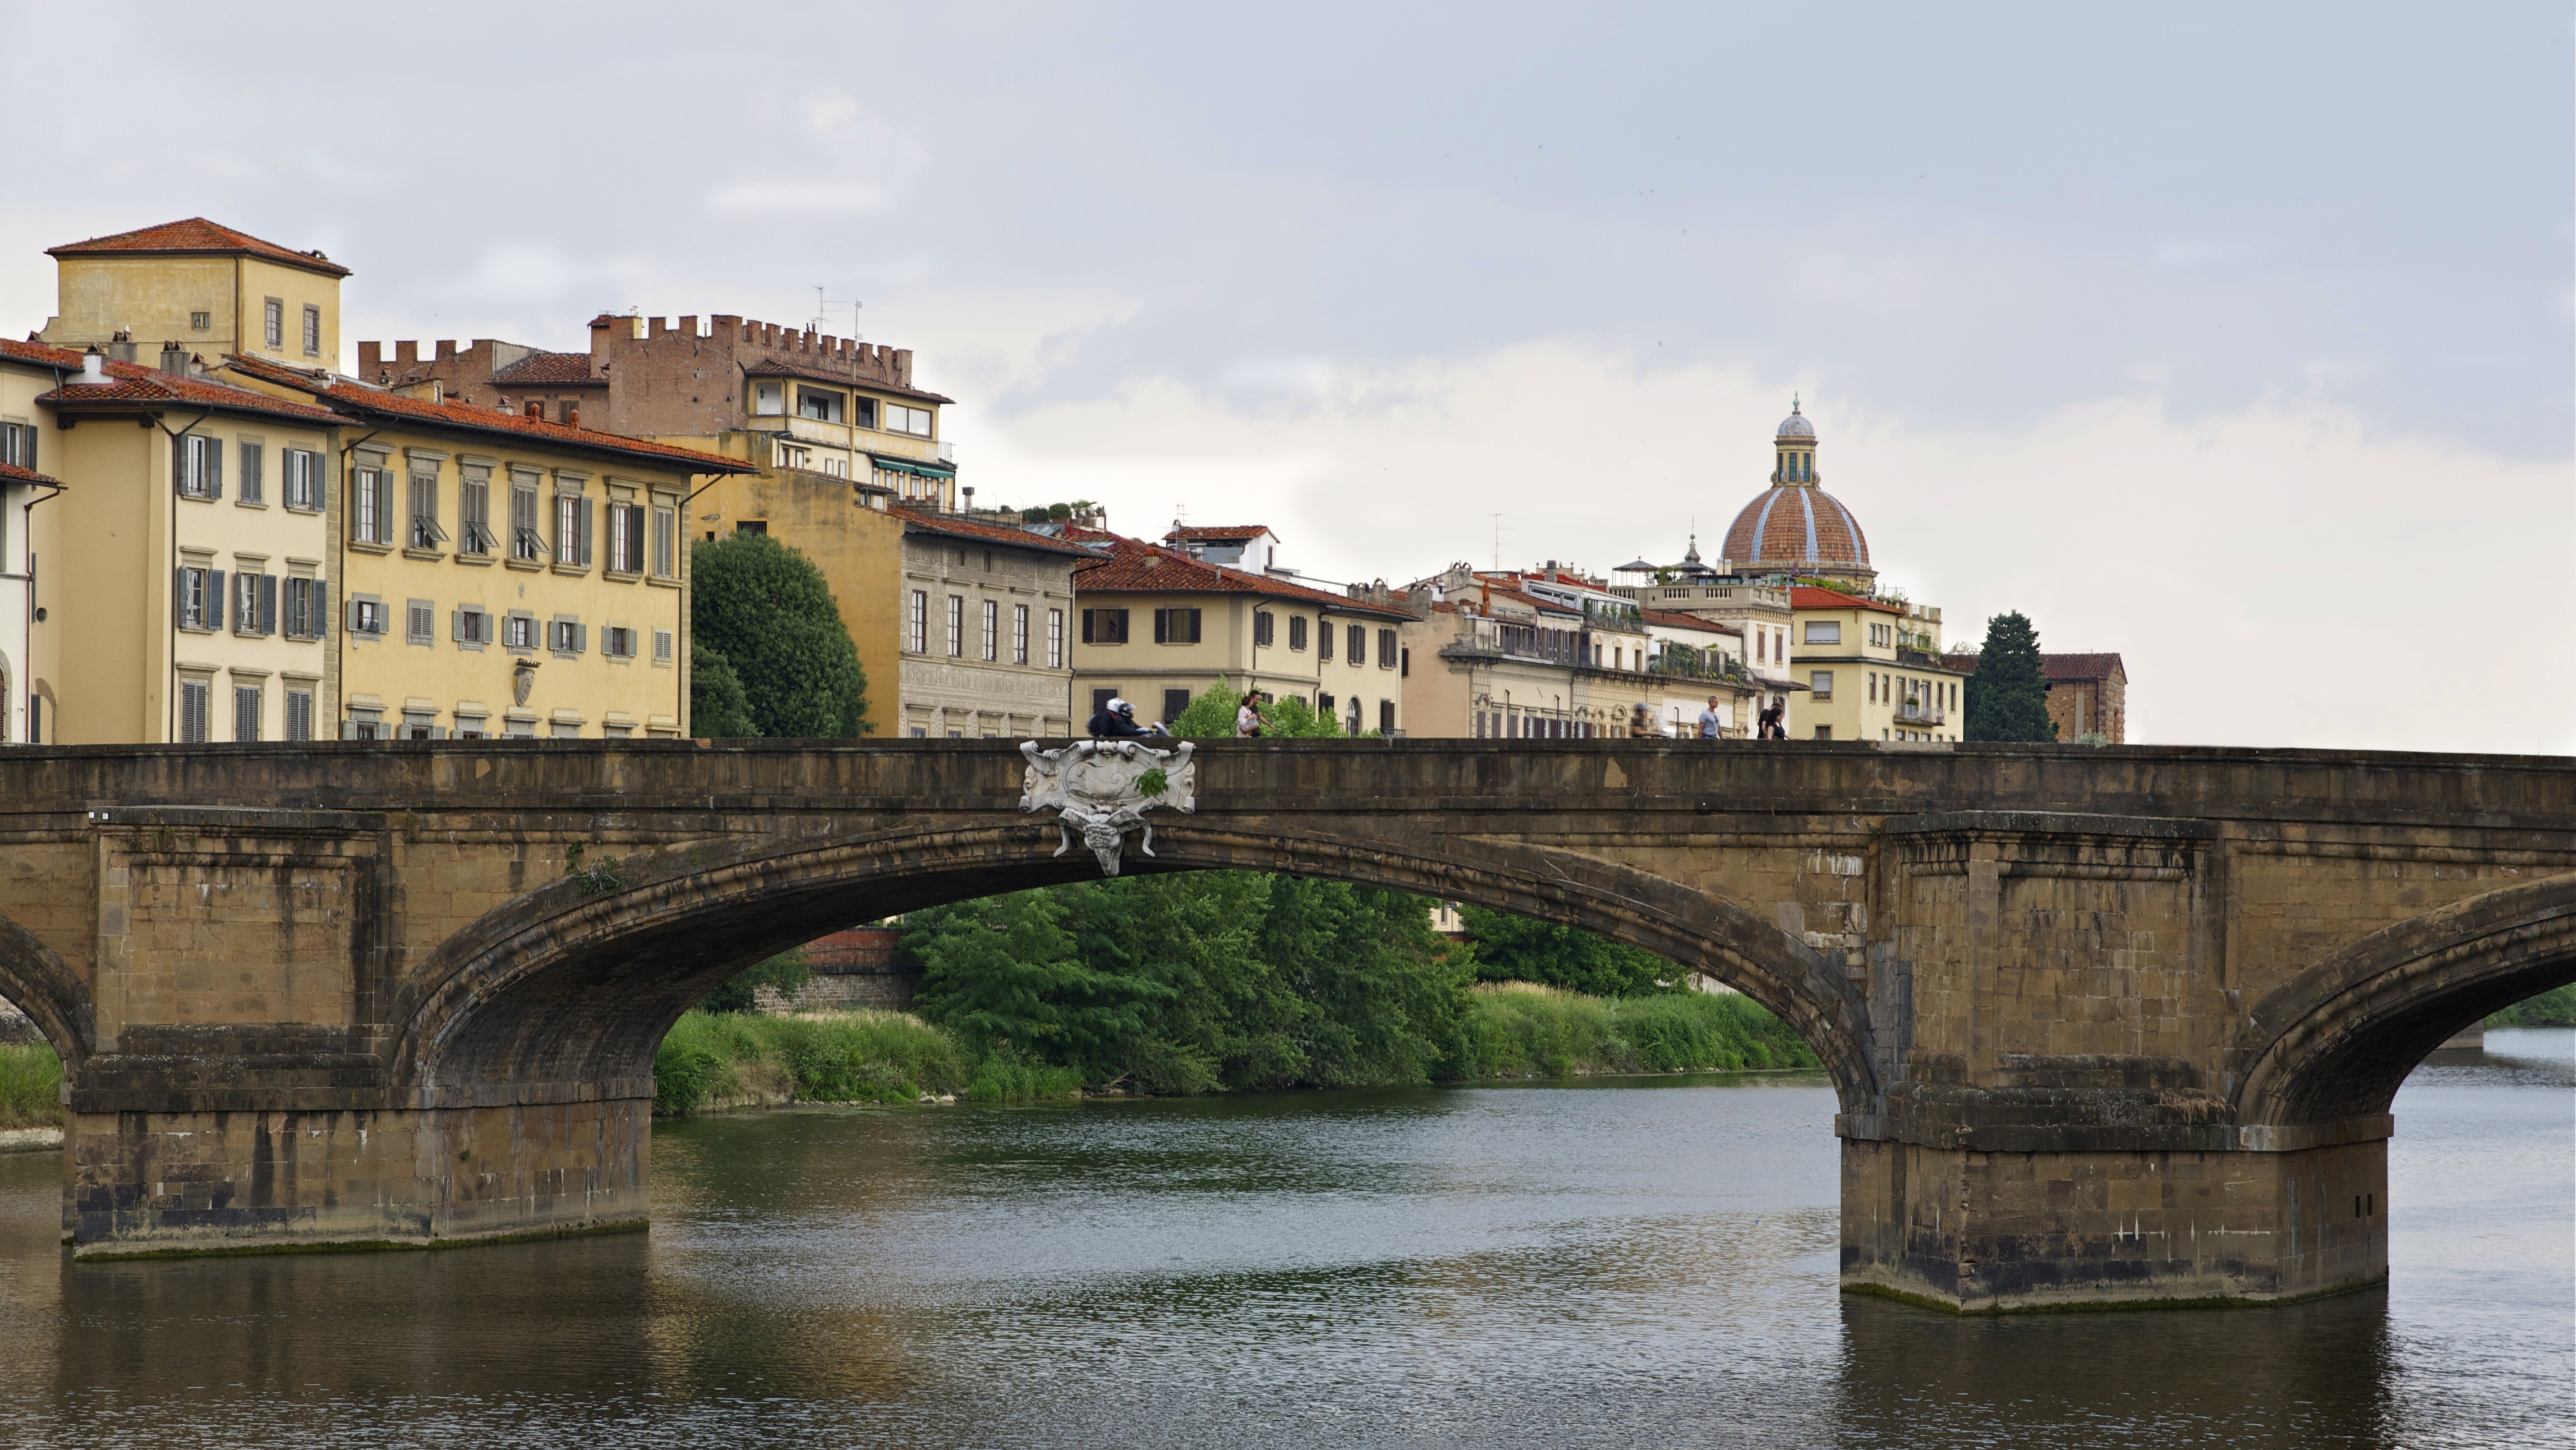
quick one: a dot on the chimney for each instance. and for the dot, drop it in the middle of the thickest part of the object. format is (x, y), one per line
(93, 368)
(121, 346)
(174, 358)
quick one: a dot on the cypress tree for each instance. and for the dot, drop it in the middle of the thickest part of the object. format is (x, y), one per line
(765, 608)
(2007, 698)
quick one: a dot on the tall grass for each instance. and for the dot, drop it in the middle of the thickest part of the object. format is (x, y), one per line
(717, 1059)
(1517, 1029)
(31, 1084)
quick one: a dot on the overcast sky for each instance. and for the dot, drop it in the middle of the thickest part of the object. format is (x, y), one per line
(2238, 339)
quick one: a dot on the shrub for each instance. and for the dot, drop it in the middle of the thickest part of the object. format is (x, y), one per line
(31, 1086)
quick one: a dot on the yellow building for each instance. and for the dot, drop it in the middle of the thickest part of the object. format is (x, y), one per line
(207, 288)
(501, 575)
(1157, 625)
(1867, 679)
(181, 581)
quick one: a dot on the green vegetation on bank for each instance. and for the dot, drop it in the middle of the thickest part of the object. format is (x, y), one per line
(2553, 1008)
(1519, 1030)
(31, 1085)
(721, 1059)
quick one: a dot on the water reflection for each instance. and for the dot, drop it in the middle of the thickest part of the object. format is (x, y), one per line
(1610, 1265)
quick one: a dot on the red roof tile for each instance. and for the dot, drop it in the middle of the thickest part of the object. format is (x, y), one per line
(930, 523)
(1670, 620)
(1136, 567)
(12, 473)
(1807, 596)
(197, 234)
(1795, 527)
(2065, 668)
(1220, 532)
(137, 384)
(555, 368)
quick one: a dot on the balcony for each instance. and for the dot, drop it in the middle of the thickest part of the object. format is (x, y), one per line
(1915, 712)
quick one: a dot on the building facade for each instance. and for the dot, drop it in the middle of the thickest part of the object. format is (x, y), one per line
(2088, 693)
(986, 634)
(1864, 680)
(1157, 626)
(23, 485)
(180, 586)
(203, 289)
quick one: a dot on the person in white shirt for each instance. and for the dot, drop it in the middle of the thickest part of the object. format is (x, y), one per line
(1247, 720)
(1711, 724)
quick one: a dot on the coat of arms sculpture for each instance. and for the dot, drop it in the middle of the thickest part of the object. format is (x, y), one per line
(1102, 789)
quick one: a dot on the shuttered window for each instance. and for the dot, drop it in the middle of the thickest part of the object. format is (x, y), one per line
(253, 484)
(194, 696)
(299, 714)
(246, 712)
(1176, 626)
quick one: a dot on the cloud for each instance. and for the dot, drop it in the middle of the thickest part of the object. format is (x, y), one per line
(797, 198)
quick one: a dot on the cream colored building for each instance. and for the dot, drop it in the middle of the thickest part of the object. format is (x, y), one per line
(1156, 626)
(1865, 677)
(208, 289)
(181, 583)
(987, 625)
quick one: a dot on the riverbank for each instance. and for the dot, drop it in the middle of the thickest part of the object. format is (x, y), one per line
(715, 1061)
(31, 1092)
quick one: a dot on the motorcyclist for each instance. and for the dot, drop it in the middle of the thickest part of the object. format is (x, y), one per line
(1117, 720)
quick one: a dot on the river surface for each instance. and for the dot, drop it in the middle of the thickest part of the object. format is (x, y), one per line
(1642, 1263)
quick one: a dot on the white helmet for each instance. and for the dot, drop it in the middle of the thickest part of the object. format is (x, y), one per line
(1120, 707)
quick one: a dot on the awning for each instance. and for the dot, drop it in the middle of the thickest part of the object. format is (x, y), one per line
(896, 463)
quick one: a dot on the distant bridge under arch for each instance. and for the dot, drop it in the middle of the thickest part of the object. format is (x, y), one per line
(2103, 1024)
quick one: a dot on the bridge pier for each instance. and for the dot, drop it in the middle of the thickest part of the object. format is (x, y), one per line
(147, 1184)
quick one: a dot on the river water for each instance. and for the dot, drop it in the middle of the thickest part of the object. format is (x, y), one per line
(1642, 1263)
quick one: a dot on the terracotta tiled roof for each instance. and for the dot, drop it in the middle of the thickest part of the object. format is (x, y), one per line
(197, 234)
(1792, 526)
(150, 386)
(554, 368)
(774, 366)
(1807, 596)
(1669, 620)
(12, 473)
(2056, 669)
(1189, 533)
(930, 523)
(347, 397)
(1136, 567)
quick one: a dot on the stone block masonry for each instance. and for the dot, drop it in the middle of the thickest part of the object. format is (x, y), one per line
(2105, 1026)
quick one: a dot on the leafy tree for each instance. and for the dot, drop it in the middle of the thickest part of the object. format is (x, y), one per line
(1518, 949)
(1210, 716)
(1006, 971)
(766, 610)
(717, 705)
(2007, 698)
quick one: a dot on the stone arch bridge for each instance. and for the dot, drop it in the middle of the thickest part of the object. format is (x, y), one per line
(2104, 1025)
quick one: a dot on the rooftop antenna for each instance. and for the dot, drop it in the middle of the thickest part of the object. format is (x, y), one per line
(1498, 543)
(823, 312)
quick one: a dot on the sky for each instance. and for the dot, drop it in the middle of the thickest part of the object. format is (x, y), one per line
(2240, 340)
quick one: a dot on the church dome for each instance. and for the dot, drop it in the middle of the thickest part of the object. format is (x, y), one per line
(1794, 526)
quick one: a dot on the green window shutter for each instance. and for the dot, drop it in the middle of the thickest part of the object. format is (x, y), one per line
(218, 607)
(582, 541)
(268, 604)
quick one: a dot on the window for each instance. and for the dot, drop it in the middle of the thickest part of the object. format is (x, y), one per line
(900, 419)
(254, 603)
(1824, 732)
(525, 541)
(916, 623)
(568, 412)
(992, 629)
(1296, 631)
(956, 626)
(193, 698)
(1353, 728)
(246, 712)
(617, 642)
(1174, 702)
(1019, 634)
(197, 467)
(572, 530)
(820, 404)
(664, 641)
(1359, 645)
(1324, 639)
(1386, 717)
(472, 626)
(425, 532)
(369, 511)
(272, 324)
(303, 469)
(1055, 639)
(198, 597)
(567, 636)
(474, 514)
(1176, 626)
(626, 538)
(1104, 626)
(1386, 649)
(312, 331)
(299, 714)
(791, 456)
(470, 727)
(519, 630)
(420, 622)
(366, 615)
(305, 609)
(1822, 683)
(666, 531)
(254, 473)
(1824, 631)
(769, 400)
(18, 444)
(201, 322)
(1100, 700)
(867, 412)
(1264, 627)
(748, 527)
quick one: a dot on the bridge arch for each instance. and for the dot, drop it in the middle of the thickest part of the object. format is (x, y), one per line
(574, 984)
(2335, 1042)
(42, 985)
